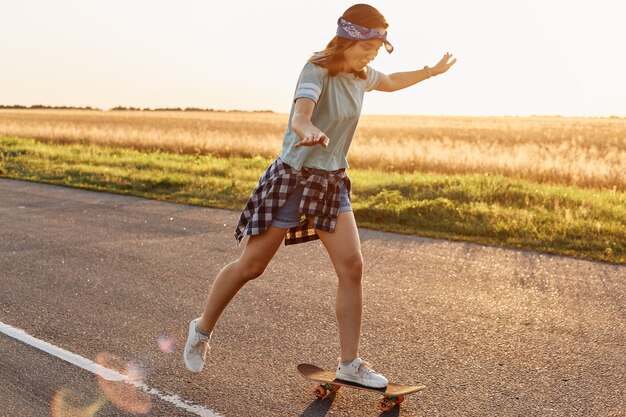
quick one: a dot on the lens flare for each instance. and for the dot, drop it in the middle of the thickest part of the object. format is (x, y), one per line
(66, 403)
(123, 394)
(167, 344)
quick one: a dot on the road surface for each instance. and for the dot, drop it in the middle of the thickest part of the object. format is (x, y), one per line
(115, 279)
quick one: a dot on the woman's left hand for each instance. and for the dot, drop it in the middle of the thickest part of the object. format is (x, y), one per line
(443, 65)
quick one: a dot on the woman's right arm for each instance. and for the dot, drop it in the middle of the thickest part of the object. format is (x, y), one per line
(302, 126)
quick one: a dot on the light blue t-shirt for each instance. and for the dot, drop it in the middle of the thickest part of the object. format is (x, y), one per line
(338, 106)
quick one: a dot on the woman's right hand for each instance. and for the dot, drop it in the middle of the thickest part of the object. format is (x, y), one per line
(314, 138)
(301, 124)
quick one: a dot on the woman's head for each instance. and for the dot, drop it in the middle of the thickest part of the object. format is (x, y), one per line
(361, 32)
(365, 15)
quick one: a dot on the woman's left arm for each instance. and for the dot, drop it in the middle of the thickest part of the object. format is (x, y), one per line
(399, 80)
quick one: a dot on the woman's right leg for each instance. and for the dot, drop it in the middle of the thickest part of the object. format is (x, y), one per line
(257, 254)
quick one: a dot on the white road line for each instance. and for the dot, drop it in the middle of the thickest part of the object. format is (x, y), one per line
(106, 373)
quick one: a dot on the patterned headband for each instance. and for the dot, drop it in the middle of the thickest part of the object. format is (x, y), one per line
(356, 32)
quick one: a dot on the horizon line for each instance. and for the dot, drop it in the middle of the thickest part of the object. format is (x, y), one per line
(201, 109)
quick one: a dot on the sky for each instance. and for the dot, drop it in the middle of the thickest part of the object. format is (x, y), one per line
(515, 57)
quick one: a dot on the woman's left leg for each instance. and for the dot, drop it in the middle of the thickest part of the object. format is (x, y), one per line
(344, 248)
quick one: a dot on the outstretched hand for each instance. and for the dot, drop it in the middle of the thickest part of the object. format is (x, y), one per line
(443, 65)
(313, 139)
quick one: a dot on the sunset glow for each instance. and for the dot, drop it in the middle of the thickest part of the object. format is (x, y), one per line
(514, 58)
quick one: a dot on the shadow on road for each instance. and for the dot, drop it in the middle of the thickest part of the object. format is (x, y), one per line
(319, 407)
(394, 412)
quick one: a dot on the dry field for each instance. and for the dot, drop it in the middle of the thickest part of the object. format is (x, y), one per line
(585, 152)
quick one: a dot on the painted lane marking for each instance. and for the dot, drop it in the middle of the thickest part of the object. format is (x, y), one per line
(106, 373)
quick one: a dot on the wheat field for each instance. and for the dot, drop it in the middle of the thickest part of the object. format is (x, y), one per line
(583, 152)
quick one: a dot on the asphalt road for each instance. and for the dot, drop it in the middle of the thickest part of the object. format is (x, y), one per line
(490, 331)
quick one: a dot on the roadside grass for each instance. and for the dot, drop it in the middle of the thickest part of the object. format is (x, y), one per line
(579, 152)
(488, 209)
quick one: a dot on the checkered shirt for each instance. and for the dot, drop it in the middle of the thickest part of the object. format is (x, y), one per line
(320, 200)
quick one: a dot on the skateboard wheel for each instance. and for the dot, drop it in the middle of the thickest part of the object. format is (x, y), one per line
(319, 391)
(399, 400)
(385, 404)
(334, 388)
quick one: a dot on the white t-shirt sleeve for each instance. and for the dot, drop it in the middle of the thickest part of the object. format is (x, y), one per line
(310, 83)
(373, 77)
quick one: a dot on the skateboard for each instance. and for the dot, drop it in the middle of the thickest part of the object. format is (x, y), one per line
(393, 394)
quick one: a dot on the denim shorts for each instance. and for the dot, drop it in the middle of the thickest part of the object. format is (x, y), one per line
(288, 215)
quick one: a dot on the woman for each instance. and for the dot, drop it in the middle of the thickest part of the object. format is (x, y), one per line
(305, 193)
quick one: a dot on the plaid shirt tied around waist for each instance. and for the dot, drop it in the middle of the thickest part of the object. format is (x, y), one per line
(320, 200)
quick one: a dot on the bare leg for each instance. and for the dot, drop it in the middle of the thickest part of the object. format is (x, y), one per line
(344, 249)
(257, 254)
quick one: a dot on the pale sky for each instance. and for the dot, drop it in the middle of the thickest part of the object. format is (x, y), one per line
(515, 57)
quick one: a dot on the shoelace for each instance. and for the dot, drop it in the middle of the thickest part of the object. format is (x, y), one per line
(365, 368)
(201, 345)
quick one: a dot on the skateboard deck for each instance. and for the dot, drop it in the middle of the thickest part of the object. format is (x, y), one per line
(393, 394)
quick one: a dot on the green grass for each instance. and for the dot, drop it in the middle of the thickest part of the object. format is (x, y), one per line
(491, 210)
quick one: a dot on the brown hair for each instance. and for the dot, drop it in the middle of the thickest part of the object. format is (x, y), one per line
(332, 57)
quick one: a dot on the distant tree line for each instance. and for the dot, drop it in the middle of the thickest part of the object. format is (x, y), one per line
(184, 109)
(41, 106)
(122, 108)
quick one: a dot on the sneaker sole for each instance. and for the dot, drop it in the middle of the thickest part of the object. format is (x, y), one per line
(357, 381)
(192, 328)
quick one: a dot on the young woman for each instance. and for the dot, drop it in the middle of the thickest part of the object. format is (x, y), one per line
(305, 193)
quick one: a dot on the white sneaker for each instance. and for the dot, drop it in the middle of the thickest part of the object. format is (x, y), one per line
(360, 372)
(196, 348)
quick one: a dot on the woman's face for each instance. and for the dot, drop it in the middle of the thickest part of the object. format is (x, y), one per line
(359, 55)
